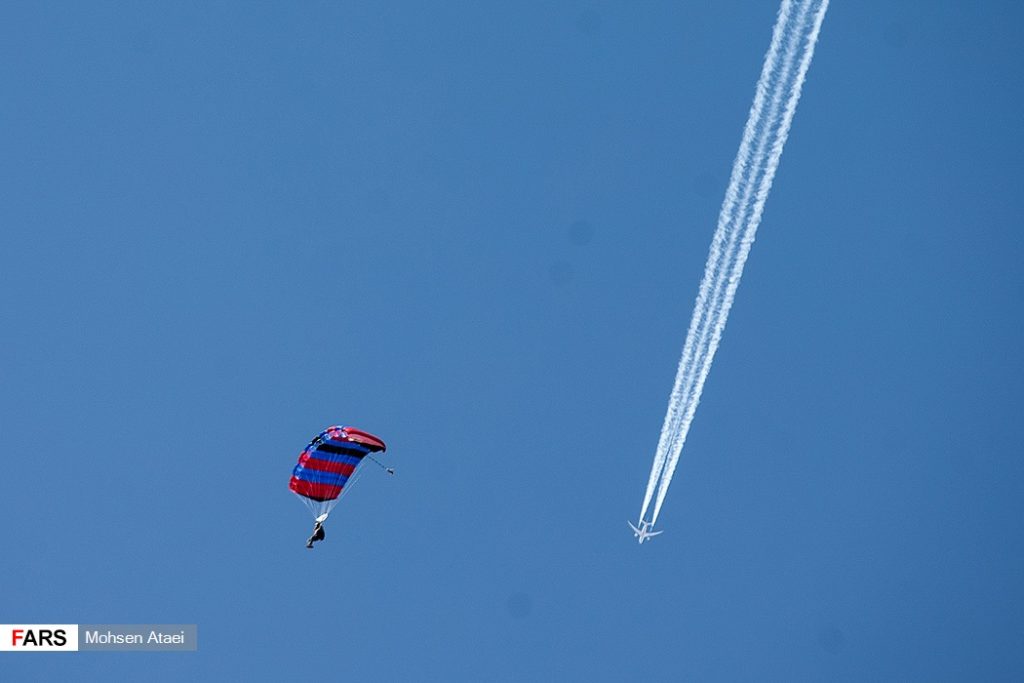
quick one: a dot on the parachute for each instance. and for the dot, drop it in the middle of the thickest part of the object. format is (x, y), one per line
(326, 467)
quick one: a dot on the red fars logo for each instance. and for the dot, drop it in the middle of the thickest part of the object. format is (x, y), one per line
(38, 637)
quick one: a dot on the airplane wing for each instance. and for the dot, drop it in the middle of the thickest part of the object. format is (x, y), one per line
(643, 532)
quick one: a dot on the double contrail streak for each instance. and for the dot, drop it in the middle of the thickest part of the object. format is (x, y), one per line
(771, 114)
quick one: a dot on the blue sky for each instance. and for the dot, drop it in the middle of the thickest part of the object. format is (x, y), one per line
(477, 230)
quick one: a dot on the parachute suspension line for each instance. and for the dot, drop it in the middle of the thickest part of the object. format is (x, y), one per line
(352, 480)
(315, 507)
(380, 464)
(318, 508)
(328, 505)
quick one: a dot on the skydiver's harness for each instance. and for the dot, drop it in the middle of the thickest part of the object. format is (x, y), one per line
(318, 534)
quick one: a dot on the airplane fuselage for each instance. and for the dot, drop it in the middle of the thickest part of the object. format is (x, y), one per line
(644, 531)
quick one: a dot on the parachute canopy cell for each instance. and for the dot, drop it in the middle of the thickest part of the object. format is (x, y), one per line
(326, 464)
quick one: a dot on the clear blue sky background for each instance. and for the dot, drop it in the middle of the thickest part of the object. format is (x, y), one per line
(477, 230)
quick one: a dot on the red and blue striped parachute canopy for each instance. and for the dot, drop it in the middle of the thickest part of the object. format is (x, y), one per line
(326, 464)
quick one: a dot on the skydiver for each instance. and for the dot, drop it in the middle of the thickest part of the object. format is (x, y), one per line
(318, 535)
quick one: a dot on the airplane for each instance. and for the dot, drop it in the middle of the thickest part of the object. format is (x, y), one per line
(644, 532)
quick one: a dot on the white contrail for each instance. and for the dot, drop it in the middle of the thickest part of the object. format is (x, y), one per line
(749, 159)
(761, 165)
(684, 376)
(782, 77)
